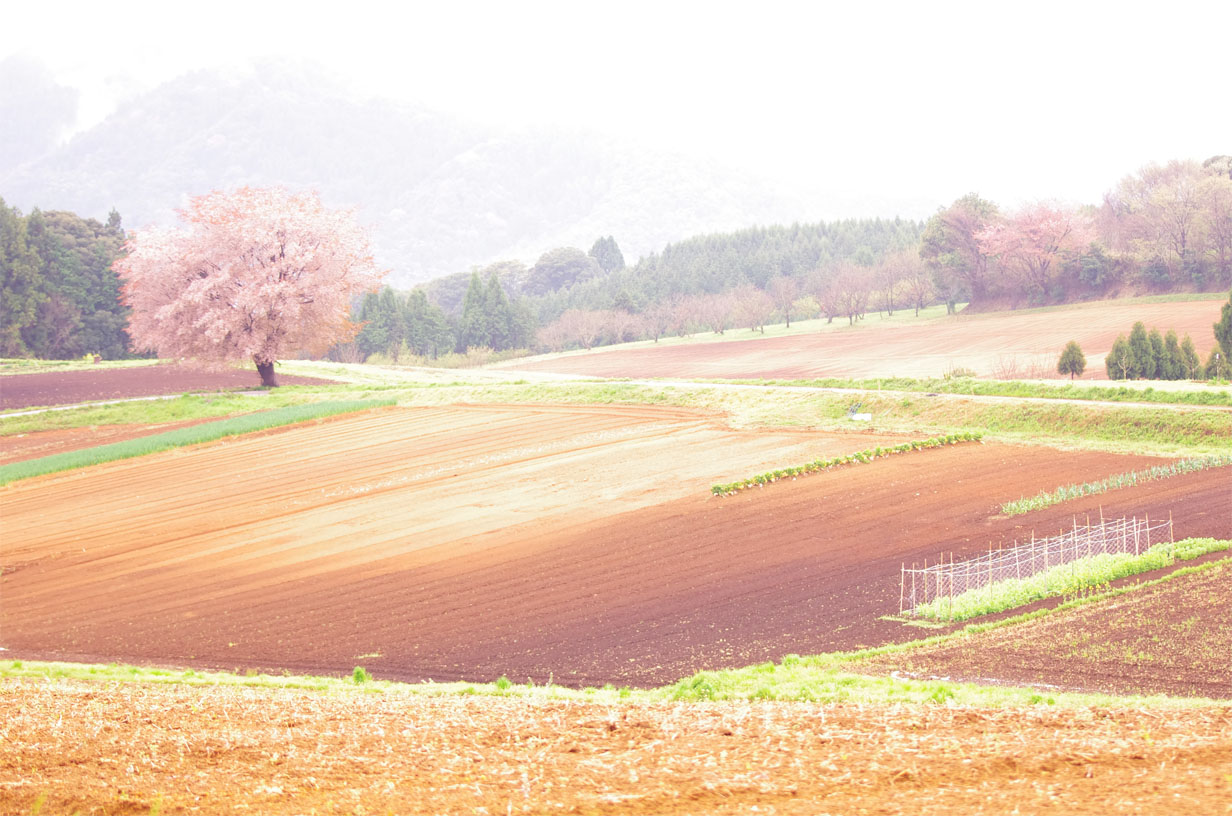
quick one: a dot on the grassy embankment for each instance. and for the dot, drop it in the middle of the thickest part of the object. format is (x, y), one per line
(206, 432)
(20, 365)
(1162, 393)
(1136, 429)
(827, 678)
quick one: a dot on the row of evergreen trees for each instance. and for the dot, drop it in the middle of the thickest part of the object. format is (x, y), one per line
(394, 325)
(1151, 356)
(59, 298)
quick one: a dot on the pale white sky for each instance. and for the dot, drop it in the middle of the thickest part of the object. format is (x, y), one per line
(920, 100)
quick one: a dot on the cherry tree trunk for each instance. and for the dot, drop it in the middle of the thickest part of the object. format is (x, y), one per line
(266, 370)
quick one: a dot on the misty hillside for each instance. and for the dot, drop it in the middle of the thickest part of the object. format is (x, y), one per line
(440, 194)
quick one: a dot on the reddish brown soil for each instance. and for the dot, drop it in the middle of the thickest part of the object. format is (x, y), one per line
(469, 542)
(1159, 639)
(72, 387)
(130, 749)
(998, 344)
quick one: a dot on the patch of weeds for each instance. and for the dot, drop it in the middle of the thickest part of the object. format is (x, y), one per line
(360, 675)
(941, 694)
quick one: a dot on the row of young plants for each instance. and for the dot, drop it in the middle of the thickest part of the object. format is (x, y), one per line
(863, 457)
(206, 432)
(1077, 578)
(1077, 491)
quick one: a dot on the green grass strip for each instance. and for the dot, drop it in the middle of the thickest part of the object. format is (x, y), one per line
(1077, 491)
(1076, 578)
(1198, 394)
(206, 432)
(862, 457)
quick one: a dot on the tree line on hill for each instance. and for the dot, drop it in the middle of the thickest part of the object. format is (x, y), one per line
(1165, 228)
(59, 297)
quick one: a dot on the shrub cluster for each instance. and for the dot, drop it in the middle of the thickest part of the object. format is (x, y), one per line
(862, 457)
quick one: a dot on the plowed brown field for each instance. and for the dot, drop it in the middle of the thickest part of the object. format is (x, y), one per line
(1004, 343)
(139, 749)
(465, 543)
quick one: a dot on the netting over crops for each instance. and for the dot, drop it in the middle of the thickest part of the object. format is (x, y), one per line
(951, 579)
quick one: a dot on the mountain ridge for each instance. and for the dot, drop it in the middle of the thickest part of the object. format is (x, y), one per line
(440, 194)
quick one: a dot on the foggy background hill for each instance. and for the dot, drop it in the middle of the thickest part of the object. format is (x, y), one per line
(440, 194)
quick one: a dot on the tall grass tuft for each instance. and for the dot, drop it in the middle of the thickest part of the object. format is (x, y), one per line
(206, 432)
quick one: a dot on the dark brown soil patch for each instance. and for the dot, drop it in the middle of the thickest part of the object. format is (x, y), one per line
(72, 387)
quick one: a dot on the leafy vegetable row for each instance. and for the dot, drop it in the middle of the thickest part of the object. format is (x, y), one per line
(862, 457)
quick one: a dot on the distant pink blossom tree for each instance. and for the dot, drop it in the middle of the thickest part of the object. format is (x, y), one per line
(253, 274)
(1033, 242)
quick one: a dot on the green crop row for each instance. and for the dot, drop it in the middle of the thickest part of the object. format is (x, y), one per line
(1077, 491)
(206, 432)
(862, 457)
(1074, 579)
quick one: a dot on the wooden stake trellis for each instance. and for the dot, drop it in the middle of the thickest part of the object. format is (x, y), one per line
(947, 580)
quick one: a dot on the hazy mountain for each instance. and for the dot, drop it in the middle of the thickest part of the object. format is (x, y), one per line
(35, 112)
(440, 194)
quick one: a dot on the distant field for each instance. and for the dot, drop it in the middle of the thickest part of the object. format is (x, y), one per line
(1023, 344)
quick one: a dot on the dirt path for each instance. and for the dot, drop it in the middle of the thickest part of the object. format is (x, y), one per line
(578, 543)
(117, 748)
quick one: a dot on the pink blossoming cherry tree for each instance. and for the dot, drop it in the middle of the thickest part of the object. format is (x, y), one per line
(252, 274)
